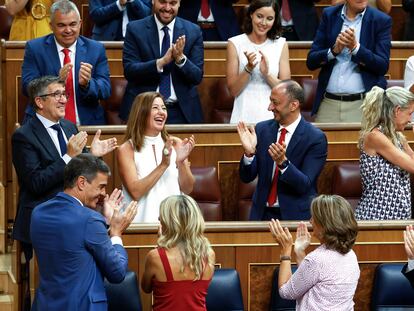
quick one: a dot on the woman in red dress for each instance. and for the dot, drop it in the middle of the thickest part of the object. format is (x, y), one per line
(179, 270)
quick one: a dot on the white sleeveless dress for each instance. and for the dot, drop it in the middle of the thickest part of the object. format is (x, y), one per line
(146, 161)
(251, 104)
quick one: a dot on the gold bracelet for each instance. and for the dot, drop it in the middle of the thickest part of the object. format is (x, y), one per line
(282, 258)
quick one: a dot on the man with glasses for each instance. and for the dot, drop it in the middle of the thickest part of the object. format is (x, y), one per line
(40, 150)
(77, 60)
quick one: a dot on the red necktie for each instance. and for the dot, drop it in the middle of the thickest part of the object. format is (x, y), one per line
(286, 10)
(70, 113)
(271, 199)
(205, 9)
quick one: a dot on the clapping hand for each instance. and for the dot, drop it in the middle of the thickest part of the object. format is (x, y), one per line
(251, 60)
(64, 71)
(178, 48)
(409, 241)
(302, 241)
(282, 236)
(121, 221)
(248, 137)
(110, 203)
(101, 147)
(183, 147)
(264, 65)
(76, 143)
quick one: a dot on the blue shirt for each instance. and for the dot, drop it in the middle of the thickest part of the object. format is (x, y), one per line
(345, 77)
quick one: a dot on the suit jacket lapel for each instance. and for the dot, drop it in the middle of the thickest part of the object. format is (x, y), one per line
(81, 54)
(365, 27)
(52, 54)
(153, 37)
(337, 26)
(296, 138)
(178, 29)
(67, 129)
(44, 138)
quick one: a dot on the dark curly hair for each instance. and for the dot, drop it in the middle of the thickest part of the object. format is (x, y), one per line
(336, 218)
(276, 29)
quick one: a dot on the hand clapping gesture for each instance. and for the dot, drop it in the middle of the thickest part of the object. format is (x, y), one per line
(101, 147)
(251, 60)
(409, 241)
(110, 203)
(282, 236)
(183, 147)
(248, 138)
(303, 239)
(264, 65)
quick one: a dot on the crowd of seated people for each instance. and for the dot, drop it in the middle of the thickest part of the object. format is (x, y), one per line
(163, 65)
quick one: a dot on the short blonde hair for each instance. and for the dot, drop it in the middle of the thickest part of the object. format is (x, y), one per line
(336, 218)
(183, 226)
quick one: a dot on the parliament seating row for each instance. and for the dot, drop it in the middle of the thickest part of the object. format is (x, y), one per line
(221, 104)
(346, 182)
(391, 290)
(224, 293)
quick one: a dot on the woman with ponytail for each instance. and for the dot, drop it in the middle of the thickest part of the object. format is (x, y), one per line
(386, 159)
(179, 270)
(326, 278)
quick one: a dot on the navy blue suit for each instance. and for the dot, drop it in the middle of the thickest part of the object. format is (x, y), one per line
(373, 56)
(74, 253)
(307, 151)
(222, 10)
(141, 51)
(108, 18)
(39, 168)
(41, 58)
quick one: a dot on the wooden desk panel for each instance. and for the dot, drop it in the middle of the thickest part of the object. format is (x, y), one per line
(249, 248)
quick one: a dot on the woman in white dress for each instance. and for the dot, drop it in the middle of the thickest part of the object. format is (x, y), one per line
(256, 61)
(152, 164)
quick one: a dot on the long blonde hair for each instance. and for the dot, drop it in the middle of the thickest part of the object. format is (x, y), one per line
(183, 226)
(378, 110)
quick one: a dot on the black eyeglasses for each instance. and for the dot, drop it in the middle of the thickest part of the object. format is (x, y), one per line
(58, 95)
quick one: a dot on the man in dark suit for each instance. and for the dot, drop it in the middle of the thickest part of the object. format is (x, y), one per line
(216, 18)
(408, 269)
(164, 52)
(287, 155)
(71, 240)
(85, 66)
(352, 49)
(299, 19)
(40, 150)
(112, 16)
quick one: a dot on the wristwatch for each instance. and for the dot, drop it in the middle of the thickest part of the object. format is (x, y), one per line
(181, 60)
(283, 165)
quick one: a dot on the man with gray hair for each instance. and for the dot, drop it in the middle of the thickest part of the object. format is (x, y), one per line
(40, 150)
(79, 61)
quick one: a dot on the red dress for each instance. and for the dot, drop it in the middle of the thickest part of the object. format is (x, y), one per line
(178, 295)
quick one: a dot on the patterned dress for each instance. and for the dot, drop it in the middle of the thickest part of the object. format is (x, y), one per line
(386, 190)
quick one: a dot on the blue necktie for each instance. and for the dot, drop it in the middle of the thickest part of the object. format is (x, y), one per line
(165, 78)
(62, 143)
